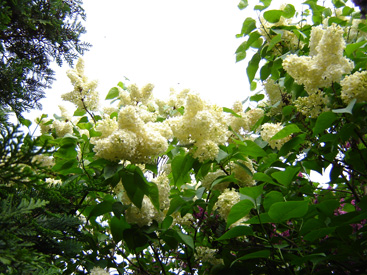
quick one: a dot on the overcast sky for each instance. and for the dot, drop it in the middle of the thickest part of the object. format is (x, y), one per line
(170, 43)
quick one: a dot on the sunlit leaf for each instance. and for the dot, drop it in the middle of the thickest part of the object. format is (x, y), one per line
(286, 131)
(238, 211)
(113, 93)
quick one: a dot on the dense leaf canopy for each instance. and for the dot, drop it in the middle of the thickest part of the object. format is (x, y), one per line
(181, 186)
(32, 35)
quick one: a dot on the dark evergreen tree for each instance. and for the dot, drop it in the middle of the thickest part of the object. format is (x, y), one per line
(40, 232)
(34, 33)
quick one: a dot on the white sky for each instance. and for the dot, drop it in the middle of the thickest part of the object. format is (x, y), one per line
(169, 43)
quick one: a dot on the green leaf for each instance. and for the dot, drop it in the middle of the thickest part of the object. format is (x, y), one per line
(221, 179)
(253, 86)
(79, 112)
(338, 4)
(319, 233)
(240, 56)
(324, 121)
(313, 165)
(113, 93)
(118, 208)
(117, 228)
(271, 198)
(289, 11)
(257, 97)
(266, 4)
(275, 40)
(186, 239)
(258, 254)
(25, 122)
(273, 16)
(227, 110)
(348, 109)
(263, 177)
(253, 191)
(135, 239)
(250, 148)
(111, 169)
(66, 151)
(242, 4)
(175, 204)
(283, 211)
(252, 67)
(286, 177)
(328, 207)
(248, 25)
(286, 131)
(265, 71)
(101, 209)
(166, 223)
(236, 232)
(238, 211)
(181, 165)
(351, 48)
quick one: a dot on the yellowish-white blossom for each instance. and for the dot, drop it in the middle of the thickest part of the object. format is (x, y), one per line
(84, 95)
(226, 200)
(312, 105)
(43, 160)
(206, 254)
(202, 125)
(62, 127)
(274, 96)
(326, 63)
(52, 181)
(268, 130)
(98, 271)
(354, 86)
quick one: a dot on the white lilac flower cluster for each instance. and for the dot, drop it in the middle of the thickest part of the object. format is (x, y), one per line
(246, 120)
(312, 105)
(206, 254)
(289, 39)
(62, 126)
(201, 125)
(226, 200)
(354, 86)
(326, 63)
(43, 160)
(135, 135)
(268, 130)
(98, 271)
(84, 95)
(274, 96)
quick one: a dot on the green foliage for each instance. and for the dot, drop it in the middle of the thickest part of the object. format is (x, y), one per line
(32, 35)
(247, 203)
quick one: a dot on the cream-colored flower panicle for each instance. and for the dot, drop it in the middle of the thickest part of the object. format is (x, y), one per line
(312, 105)
(135, 135)
(326, 63)
(207, 255)
(202, 125)
(268, 130)
(98, 271)
(226, 200)
(354, 86)
(84, 95)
